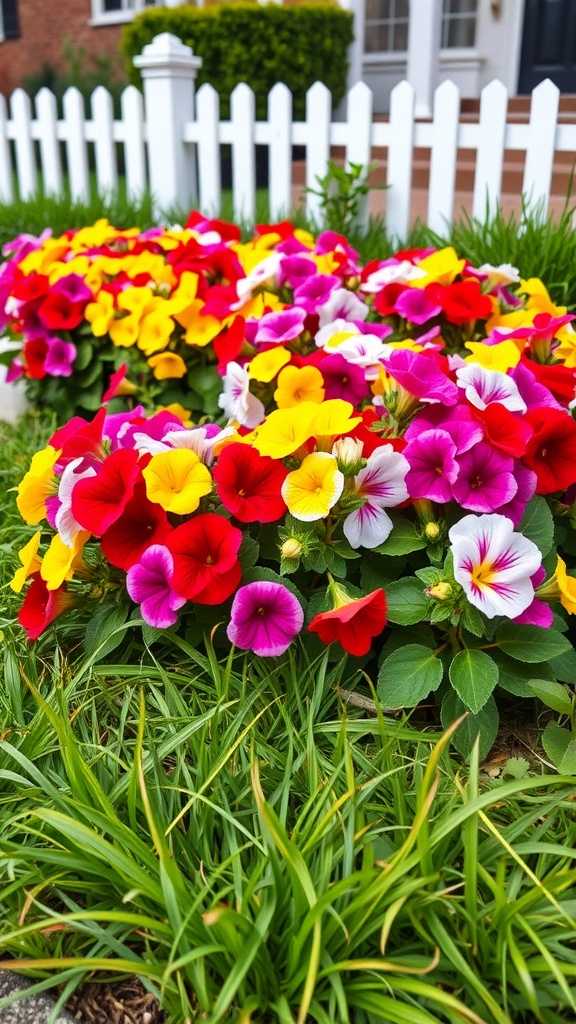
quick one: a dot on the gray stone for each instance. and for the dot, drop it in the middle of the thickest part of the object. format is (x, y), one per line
(31, 1009)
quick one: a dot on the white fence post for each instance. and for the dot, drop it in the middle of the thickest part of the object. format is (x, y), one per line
(169, 70)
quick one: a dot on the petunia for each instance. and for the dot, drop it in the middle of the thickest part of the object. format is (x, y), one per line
(353, 622)
(236, 400)
(483, 387)
(60, 357)
(458, 422)
(62, 560)
(177, 480)
(265, 617)
(141, 524)
(42, 606)
(485, 479)
(313, 489)
(149, 584)
(551, 451)
(433, 467)
(98, 501)
(560, 587)
(494, 565)
(341, 304)
(417, 306)
(167, 366)
(38, 484)
(297, 384)
(420, 376)
(343, 380)
(265, 366)
(462, 301)
(285, 430)
(30, 562)
(382, 484)
(249, 484)
(206, 566)
(281, 327)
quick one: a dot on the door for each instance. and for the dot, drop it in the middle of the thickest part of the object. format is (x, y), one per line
(548, 45)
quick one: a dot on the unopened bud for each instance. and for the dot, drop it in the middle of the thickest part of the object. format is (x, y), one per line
(440, 591)
(348, 454)
(432, 531)
(291, 548)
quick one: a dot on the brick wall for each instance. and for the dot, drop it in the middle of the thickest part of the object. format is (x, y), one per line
(44, 26)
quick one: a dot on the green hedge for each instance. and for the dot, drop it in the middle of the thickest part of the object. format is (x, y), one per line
(245, 42)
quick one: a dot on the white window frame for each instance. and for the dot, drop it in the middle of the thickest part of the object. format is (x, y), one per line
(130, 9)
(447, 17)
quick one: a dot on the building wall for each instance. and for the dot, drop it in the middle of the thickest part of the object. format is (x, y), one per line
(44, 26)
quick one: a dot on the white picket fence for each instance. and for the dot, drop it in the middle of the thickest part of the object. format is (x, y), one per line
(171, 137)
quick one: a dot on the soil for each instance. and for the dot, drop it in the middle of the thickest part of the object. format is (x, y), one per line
(124, 1002)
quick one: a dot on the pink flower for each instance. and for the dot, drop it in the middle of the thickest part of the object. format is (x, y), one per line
(343, 379)
(417, 306)
(278, 328)
(485, 479)
(420, 376)
(149, 584)
(265, 617)
(433, 468)
(382, 484)
(59, 357)
(482, 387)
(457, 422)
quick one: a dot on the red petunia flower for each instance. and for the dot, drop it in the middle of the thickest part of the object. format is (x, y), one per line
(463, 301)
(205, 552)
(559, 379)
(503, 430)
(41, 606)
(228, 345)
(353, 621)
(35, 352)
(141, 524)
(28, 287)
(58, 312)
(249, 484)
(385, 301)
(80, 438)
(551, 451)
(98, 501)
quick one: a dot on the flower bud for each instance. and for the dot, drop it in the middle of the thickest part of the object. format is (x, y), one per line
(291, 548)
(432, 531)
(440, 591)
(348, 453)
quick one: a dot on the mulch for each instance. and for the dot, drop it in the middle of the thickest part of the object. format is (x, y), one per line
(124, 1002)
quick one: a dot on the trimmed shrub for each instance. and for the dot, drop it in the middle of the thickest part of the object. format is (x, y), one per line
(245, 42)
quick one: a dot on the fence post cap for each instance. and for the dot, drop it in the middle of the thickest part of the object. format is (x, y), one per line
(166, 50)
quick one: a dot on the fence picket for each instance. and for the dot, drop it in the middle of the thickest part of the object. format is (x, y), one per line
(242, 110)
(443, 156)
(491, 145)
(400, 156)
(6, 186)
(318, 113)
(209, 176)
(280, 159)
(75, 138)
(359, 147)
(21, 110)
(47, 131)
(104, 147)
(540, 147)
(132, 124)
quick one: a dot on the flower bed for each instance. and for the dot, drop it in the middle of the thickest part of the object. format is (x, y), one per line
(391, 473)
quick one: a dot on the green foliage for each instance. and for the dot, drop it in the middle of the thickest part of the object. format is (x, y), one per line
(342, 191)
(260, 45)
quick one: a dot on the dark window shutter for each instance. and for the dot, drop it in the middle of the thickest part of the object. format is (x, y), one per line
(10, 19)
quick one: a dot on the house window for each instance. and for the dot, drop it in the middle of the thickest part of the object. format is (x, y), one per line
(9, 23)
(387, 25)
(107, 12)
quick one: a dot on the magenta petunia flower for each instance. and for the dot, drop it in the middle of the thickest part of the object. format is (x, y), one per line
(295, 270)
(74, 288)
(485, 480)
(315, 290)
(278, 328)
(149, 584)
(458, 422)
(265, 618)
(59, 357)
(416, 306)
(420, 376)
(526, 482)
(433, 468)
(343, 379)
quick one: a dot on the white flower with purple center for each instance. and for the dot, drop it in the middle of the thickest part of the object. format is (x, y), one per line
(483, 387)
(365, 351)
(391, 272)
(237, 401)
(341, 305)
(265, 272)
(494, 565)
(382, 484)
(65, 522)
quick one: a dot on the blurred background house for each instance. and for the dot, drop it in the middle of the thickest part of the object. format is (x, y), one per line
(471, 42)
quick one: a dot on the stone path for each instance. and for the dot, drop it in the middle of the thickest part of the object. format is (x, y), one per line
(30, 1010)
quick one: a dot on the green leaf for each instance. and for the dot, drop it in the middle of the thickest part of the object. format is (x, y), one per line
(473, 675)
(484, 724)
(517, 767)
(406, 602)
(553, 695)
(403, 539)
(472, 620)
(429, 576)
(560, 747)
(408, 675)
(537, 524)
(84, 353)
(530, 643)
(564, 666)
(249, 551)
(514, 677)
(100, 630)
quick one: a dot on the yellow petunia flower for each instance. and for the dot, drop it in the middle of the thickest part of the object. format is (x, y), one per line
(60, 561)
(440, 267)
(332, 418)
(502, 356)
(155, 332)
(283, 431)
(100, 314)
(38, 484)
(265, 365)
(41, 260)
(167, 365)
(28, 556)
(299, 384)
(539, 300)
(200, 330)
(177, 410)
(124, 331)
(313, 489)
(176, 480)
(79, 265)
